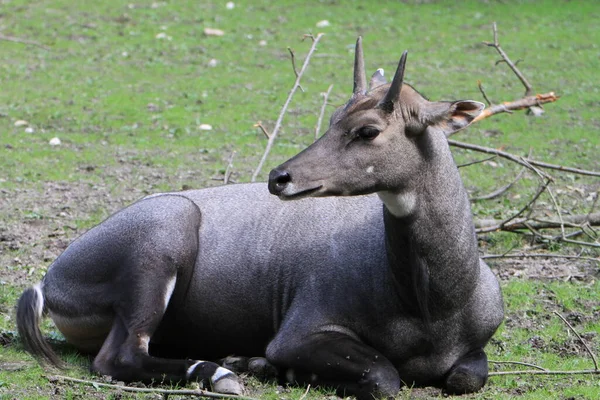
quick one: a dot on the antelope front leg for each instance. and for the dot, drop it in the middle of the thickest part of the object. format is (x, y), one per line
(468, 374)
(335, 359)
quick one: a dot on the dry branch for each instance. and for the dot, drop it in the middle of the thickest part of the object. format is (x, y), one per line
(535, 255)
(499, 192)
(164, 392)
(573, 220)
(529, 101)
(547, 372)
(513, 66)
(542, 371)
(520, 104)
(527, 162)
(229, 168)
(320, 119)
(273, 135)
(587, 348)
(23, 41)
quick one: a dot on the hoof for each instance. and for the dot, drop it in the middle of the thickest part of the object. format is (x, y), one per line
(235, 363)
(262, 369)
(228, 384)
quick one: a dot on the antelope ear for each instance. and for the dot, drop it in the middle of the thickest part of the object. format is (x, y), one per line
(452, 117)
(377, 79)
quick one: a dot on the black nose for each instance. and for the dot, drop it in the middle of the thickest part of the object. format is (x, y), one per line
(278, 180)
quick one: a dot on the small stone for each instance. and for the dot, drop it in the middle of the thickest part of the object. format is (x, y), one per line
(230, 5)
(213, 63)
(213, 32)
(29, 130)
(262, 43)
(54, 141)
(205, 127)
(21, 122)
(322, 24)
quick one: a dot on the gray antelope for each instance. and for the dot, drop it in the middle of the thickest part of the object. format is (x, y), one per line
(368, 280)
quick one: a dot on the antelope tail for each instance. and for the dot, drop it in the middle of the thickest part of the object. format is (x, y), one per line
(30, 310)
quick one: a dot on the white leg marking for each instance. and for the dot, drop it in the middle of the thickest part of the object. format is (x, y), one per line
(399, 204)
(169, 291)
(191, 369)
(39, 305)
(219, 373)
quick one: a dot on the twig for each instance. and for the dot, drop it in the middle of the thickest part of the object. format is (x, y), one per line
(23, 41)
(305, 393)
(518, 363)
(273, 134)
(480, 86)
(549, 372)
(521, 160)
(179, 392)
(533, 255)
(572, 220)
(496, 45)
(229, 168)
(263, 129)
(522, 103)
(475, 162)
(505, 222)
(500, 191)
(293, 56)
(580, 339)
(320, 120)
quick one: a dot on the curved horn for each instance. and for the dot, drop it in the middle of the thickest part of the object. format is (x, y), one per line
(393, 92)
(360, 80)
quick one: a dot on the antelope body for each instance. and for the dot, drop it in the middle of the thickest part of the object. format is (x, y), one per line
(368, 280)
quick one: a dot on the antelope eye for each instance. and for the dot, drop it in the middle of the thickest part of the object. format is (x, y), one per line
(368, 132)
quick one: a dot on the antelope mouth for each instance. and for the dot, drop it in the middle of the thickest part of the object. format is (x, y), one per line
(291, 195)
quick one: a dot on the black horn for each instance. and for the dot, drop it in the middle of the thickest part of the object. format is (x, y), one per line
(360, 79)
(393, 92)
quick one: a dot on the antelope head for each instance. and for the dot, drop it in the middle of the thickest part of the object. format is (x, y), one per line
(379, 141)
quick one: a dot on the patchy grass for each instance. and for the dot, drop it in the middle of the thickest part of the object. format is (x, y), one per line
(127, 105)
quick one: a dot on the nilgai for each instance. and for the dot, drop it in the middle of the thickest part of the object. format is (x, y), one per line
(368, 280)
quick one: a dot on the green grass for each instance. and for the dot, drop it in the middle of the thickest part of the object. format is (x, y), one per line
(127, 107)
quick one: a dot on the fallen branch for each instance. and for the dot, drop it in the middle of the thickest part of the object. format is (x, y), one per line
(518, 363)
(164, 392)
(547, 372)
(543, 371)
(521, 160)
(23, 41)
(534, 255)
(522, 103)
(500, 191)
(574, 220)
(295, 87)
(502, 224)
(583, 342)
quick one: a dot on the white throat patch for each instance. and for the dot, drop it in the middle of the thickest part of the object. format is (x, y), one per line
(399, 204)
